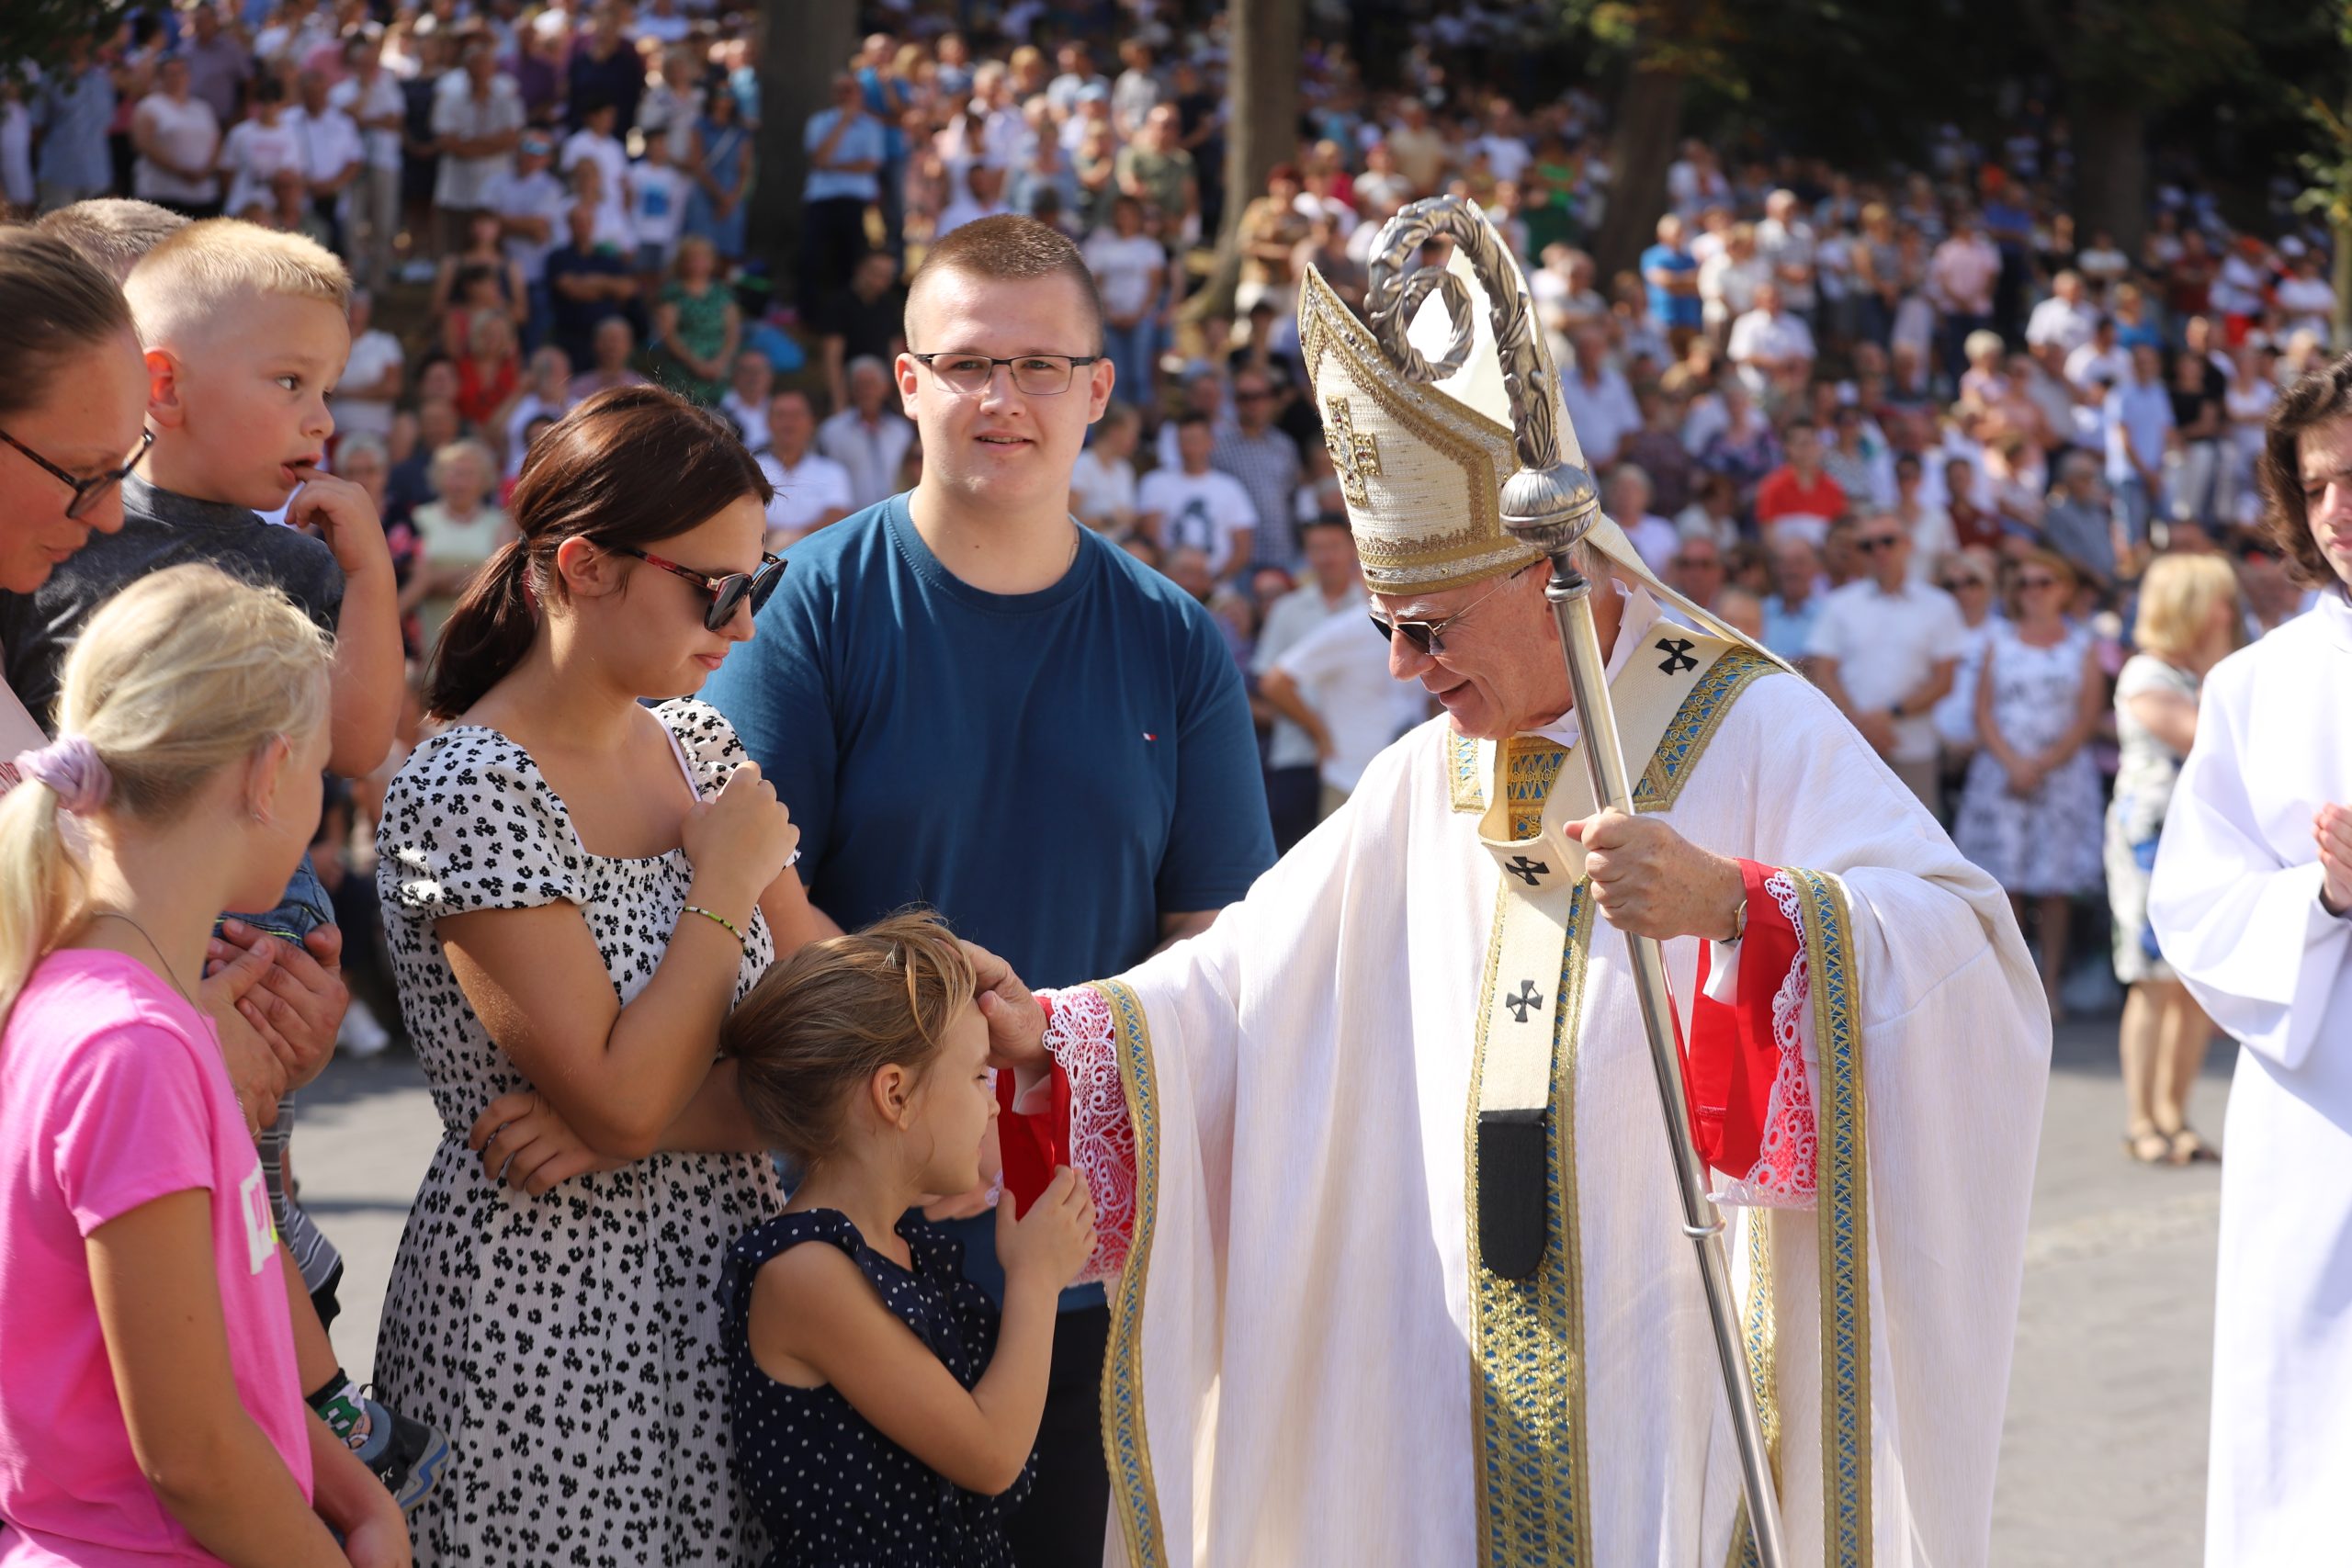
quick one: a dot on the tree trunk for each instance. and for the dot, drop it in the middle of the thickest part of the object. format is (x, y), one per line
(1649, 121)
(799, 48)
(1261, 130)
(2111, 170)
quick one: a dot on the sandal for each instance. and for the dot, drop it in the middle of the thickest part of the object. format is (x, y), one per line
(2149, 1146)
(2184, 1146)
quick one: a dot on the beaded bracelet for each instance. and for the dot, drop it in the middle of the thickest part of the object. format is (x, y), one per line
(714, 915)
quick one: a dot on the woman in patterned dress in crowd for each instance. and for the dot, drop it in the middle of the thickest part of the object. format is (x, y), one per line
(577, 889)
(2029, 813)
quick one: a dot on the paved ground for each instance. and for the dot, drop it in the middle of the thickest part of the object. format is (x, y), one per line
(2103, 1462)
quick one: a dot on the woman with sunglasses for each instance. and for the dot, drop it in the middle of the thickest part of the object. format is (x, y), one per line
(577, 889)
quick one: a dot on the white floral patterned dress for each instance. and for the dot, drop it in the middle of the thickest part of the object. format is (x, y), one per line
(568, 1344)
(2048, 841)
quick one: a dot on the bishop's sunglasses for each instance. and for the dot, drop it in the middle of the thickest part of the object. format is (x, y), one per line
(1429, 636)
(726, 593)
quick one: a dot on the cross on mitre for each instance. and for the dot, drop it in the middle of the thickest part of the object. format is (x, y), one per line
(1354, 453)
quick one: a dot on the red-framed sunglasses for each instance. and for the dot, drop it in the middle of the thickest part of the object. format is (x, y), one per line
(726, 593)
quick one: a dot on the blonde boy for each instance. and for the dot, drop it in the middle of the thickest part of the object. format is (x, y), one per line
(244, 333)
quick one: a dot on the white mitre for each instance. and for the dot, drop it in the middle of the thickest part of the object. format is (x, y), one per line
(1421, 464)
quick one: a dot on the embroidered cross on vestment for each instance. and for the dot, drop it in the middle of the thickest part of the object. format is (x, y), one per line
(1356, 455)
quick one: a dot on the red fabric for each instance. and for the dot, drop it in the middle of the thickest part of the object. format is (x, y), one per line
(1732, 1057)
(1782, 494)
(1035, 1143)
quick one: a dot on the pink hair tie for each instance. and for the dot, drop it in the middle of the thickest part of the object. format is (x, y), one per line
(71, 767)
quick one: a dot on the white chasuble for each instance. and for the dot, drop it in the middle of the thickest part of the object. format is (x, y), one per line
(2235, 906)
(1310, 1363)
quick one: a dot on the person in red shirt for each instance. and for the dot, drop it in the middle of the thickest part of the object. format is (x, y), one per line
(1800, 494)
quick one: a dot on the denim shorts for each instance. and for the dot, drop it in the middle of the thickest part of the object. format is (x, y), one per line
(303, 910)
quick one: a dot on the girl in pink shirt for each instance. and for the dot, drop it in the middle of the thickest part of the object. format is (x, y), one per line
(151, 1413)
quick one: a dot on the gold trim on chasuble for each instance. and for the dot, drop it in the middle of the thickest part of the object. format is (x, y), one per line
(1841, 1216)
(1135, 1501)
(1528, 1334)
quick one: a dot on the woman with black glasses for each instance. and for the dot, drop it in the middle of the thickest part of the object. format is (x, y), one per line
(73, 412)
(577, 889)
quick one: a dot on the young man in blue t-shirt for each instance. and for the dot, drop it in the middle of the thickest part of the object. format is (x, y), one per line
(969, 701)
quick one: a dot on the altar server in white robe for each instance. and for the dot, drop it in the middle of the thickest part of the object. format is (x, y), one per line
(2252, 904)
(1351, 1324)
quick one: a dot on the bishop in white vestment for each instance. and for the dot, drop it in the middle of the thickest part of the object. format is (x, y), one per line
(1331, 1343)
(2240, 903)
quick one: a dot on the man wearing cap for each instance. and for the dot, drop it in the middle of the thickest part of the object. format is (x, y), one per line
(1397, 1271)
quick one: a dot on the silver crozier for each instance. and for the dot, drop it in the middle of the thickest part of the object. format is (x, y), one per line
(1551, 504)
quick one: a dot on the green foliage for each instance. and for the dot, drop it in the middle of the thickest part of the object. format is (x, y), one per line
(39, 32)
(2150, 53)
(2328, 167)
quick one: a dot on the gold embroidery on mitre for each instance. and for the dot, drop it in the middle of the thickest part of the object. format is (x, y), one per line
(1355, 454)
(1435, 520)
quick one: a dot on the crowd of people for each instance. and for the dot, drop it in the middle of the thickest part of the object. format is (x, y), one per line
(403, 316)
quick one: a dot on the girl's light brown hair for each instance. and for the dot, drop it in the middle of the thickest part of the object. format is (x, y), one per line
(819, 1026)
(2177, 601)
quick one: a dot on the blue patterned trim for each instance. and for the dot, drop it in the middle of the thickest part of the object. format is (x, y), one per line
(1842, 1214)
(1528, 1334)
(1126, 1443)
(1694, 725)
(1465, 781)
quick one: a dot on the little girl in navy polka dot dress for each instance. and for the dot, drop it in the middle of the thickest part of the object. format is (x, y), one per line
(883, 1415)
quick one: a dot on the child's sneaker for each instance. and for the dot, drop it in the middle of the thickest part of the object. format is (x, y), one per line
(405, 1455)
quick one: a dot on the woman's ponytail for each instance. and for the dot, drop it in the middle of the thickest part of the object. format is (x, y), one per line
(488, 633)
(39, 883)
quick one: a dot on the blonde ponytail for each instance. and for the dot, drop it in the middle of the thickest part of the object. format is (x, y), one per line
(180, 675)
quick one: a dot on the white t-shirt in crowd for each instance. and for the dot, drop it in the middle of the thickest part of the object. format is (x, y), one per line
(873, 454)
(2056, 322)
(1654, 539)
(373, 353)
(1341, 669)
(804, 492)
(253, 154)
(1123, 269)
(657, 204)
(1289, 621)
(1198, 511)
(373, 101)
(2308, 302)
(1774, 337)
(458, 182)
(541, 195)
(329, 140)
(1886, 645)
(752, 422)
(612, 159)
(1507, 156)
(1604, 412)
(2087, 366)
(1100, 488)
(188, 134)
